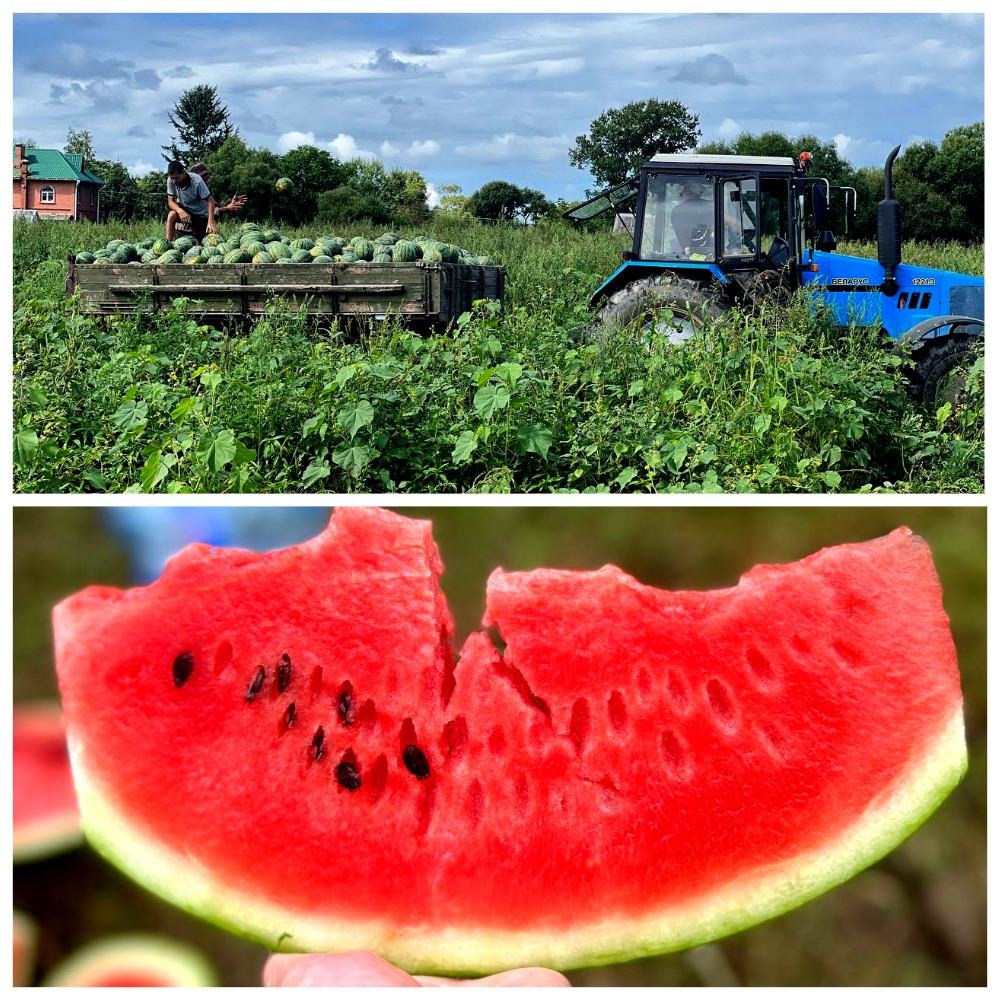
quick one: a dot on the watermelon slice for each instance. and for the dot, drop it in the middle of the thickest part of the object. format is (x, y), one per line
(25, 944)
(134, 960)
(46, 816)
(284, 744)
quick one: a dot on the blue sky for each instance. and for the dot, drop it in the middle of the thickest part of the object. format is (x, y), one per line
(469, 98)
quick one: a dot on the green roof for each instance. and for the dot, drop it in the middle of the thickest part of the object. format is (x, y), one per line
(55, 165)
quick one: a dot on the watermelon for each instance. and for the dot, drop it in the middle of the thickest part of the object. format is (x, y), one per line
(25, 945)
(134, 960)
(284, 744)
(46, 816)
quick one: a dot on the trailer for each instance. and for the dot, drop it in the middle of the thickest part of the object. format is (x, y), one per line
(420, 294)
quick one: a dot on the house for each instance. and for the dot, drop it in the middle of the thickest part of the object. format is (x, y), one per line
(55, 184)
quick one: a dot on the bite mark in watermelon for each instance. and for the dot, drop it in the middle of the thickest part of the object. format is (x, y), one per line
(639, 771)
(46, 816)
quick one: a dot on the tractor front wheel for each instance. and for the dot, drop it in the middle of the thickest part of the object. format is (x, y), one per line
(665, 305)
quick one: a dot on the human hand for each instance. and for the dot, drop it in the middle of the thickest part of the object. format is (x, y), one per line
(364, 968)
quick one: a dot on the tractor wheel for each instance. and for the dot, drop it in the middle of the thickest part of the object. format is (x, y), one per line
(942, 369)
(665, 305)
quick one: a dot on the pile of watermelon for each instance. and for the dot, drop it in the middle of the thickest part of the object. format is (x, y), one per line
(253, 245)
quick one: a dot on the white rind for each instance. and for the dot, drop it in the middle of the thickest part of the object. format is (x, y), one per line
(761, 894)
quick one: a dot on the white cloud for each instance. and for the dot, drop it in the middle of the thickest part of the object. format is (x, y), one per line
(140, 168)
(345, 147)
(420, 150)
(511, 146)
(728, 130)
(292, 140)
(388, 150)
(433, 197)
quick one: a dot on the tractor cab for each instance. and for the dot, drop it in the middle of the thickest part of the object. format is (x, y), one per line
(715, 216)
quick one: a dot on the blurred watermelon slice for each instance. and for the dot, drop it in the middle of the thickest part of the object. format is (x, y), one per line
(284, 744)
(135, 960)
(46, 816)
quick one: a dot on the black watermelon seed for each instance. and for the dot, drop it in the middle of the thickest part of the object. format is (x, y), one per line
(416, 762)
(256, 684)
(183, 666)
(284, 672)
(319, 743)
(345, 708)
(289, 718)
(347, 776)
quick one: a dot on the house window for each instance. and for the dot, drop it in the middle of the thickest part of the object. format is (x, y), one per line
(47, 195)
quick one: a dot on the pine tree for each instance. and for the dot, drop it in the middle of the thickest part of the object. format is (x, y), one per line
(202, 125)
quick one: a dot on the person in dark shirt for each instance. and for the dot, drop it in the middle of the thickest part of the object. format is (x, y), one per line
(693, 219)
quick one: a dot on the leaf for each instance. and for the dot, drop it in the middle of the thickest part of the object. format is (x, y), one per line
(353, 418)
(313, 423)
(626, 476)
(96, 480)
(130, 416)
(636, 387)
(211, 380)
(535, 438)
(832, 479)
(37, 396)
(25, 446)
(510, 372)
(156, 469)
(464, 446)
(490, 399)
(345, 374)
(186, 406)
(317, 470)
(216, 451)
(352, 458)
(762, 423)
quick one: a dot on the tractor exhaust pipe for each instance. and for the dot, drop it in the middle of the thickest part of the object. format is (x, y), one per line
(890, 238)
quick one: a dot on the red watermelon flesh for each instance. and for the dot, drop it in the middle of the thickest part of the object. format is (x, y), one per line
(283, 744)
(45, 813)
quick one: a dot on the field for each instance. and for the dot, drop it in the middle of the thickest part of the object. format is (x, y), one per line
(513, 403)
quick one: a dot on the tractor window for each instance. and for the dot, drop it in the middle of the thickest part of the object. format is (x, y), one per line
(739, 212)
(678, 221)
(773, 211)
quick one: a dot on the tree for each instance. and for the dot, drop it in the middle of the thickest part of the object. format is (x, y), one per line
(453, 202)
(312, 171)
(202, 124)
(826, 161)
(346, 205)
(238, 169)
(622, 139)
(120, 198)
(960, 173)
(501, 201)
(81, 142)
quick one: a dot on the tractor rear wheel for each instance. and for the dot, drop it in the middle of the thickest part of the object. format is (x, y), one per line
(942, 371)
(664, 305)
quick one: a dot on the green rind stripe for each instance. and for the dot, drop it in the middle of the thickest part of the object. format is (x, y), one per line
(468, 950)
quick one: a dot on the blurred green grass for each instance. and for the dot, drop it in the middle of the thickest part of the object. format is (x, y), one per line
(915, 919)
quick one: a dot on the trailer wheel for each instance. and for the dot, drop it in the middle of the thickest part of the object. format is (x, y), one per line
(942, 370)
(665, 305)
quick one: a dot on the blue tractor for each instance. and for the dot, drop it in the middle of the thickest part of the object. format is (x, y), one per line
(712, 232)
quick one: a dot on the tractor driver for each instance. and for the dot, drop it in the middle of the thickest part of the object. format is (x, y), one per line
(693, 219)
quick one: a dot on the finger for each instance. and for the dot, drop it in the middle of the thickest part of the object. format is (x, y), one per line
(349, 968)
(515, 977)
